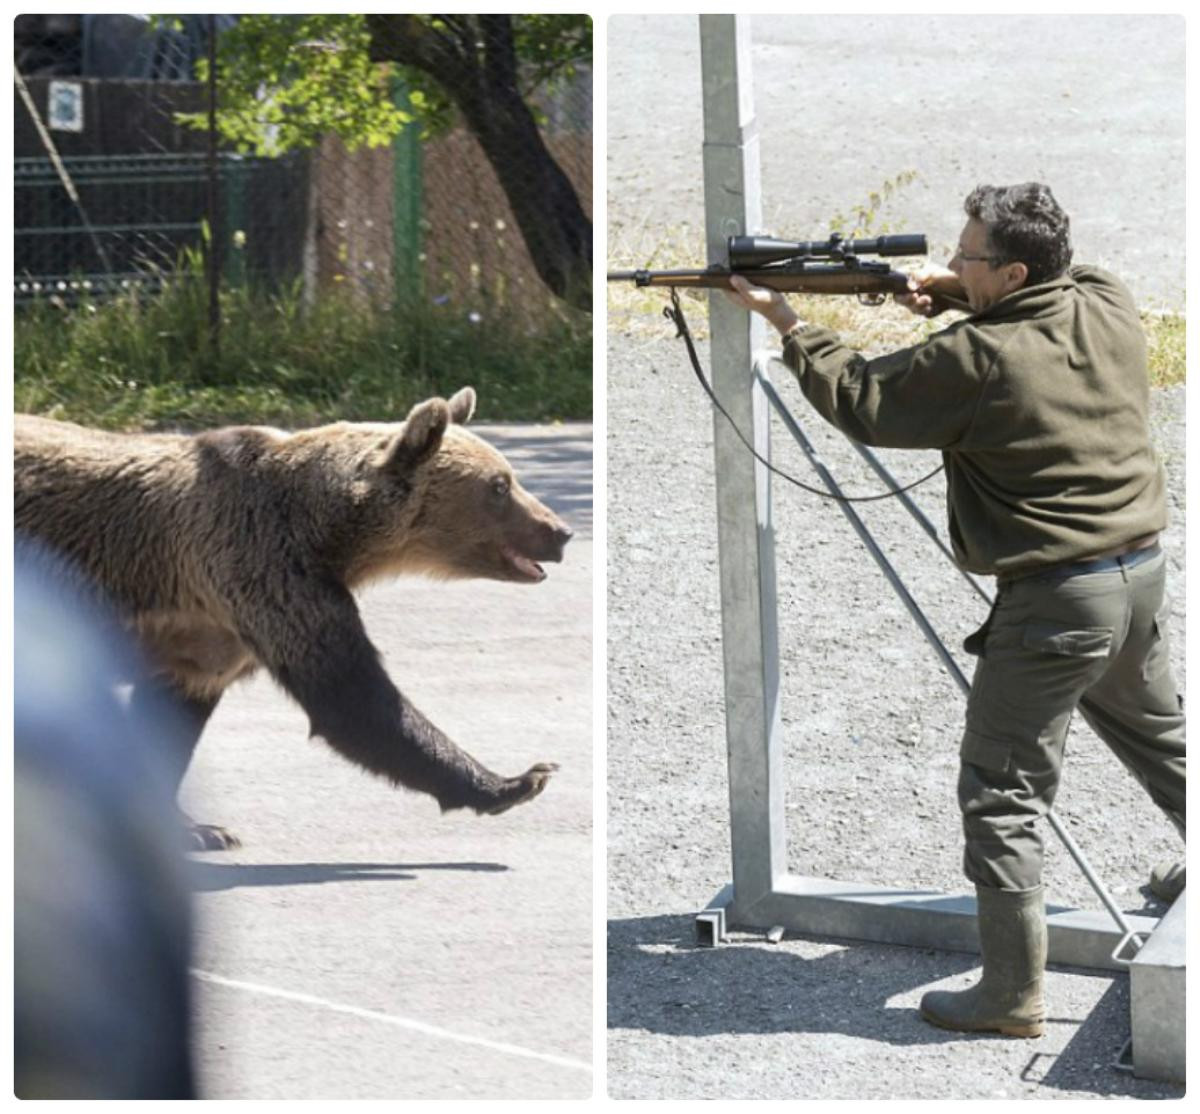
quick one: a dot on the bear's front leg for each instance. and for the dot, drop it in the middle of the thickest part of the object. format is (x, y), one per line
(408, 749)
(336, 676)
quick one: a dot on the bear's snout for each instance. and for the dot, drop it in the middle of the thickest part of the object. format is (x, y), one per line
(541, 537)
(560, 534)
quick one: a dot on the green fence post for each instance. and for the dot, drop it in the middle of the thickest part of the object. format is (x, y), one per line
(407, 204)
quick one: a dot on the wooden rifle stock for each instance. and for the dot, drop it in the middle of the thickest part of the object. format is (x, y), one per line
(871, 282)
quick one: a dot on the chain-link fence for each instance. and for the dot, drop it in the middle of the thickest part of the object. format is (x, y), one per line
(113, 192)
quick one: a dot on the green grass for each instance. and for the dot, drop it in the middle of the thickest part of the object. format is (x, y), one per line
(147, 363)
(1166, 341)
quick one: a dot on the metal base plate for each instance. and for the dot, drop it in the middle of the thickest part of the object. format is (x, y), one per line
(916, 918)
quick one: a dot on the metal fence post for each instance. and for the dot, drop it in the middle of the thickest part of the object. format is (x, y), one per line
(213, 255)
(744, 527)
(236, 171)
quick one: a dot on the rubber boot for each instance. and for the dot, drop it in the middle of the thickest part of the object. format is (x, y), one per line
(1167, 881)
(1008, 997)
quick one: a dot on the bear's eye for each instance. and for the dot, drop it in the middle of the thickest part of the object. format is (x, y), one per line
(500, 487)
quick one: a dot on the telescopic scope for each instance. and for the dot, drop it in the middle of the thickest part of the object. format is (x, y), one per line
(756, 251)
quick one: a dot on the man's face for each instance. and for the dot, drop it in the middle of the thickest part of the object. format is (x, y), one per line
(984, 282)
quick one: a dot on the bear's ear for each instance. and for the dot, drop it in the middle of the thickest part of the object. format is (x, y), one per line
(462, 406)
(421, 435)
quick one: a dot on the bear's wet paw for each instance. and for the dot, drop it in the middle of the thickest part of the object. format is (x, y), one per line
(517, 790)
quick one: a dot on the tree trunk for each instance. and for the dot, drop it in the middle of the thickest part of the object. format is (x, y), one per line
(475, 62)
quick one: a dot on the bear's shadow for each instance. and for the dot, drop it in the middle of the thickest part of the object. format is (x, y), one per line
(210, 877)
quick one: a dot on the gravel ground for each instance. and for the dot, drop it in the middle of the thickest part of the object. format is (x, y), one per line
(871, 720)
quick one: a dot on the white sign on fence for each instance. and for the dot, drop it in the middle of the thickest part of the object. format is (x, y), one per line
(65, 108)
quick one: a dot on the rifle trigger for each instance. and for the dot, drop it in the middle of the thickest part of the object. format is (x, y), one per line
(872, 299)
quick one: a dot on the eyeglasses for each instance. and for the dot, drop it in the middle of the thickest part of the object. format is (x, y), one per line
(960, 254)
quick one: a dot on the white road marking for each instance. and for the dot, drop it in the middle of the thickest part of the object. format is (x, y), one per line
(392, 1019)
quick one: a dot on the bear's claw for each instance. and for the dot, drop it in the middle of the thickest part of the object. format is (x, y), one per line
(524, 788)
(211, 837)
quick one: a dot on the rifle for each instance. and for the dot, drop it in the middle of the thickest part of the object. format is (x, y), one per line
(830, 266)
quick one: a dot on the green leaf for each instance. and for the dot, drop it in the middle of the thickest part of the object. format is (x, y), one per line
(322, 81)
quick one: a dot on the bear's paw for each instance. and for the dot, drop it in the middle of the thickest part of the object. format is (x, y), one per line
(518, 790)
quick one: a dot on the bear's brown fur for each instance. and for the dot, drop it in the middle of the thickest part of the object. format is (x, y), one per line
(238, 548)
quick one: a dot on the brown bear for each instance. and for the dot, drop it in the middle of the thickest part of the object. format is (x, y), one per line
(239, 548)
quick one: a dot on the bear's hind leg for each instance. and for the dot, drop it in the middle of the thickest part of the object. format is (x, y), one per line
(156, 701)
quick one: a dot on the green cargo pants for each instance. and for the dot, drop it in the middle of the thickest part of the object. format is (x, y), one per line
(1053, 643)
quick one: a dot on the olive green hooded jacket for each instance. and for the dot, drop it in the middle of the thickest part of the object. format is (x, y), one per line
(1039, 406)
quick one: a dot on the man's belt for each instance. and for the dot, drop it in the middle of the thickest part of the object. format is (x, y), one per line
(1144, 549)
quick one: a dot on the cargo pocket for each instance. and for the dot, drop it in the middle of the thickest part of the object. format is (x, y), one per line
(984, 752)
(1158, 656)
(1074, 642)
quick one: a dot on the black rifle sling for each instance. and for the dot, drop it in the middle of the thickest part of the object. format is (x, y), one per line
(674, 312)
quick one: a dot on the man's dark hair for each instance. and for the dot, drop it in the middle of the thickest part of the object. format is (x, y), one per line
(1025, 225)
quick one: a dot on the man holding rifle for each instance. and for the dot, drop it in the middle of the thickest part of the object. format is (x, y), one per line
(1038, 401)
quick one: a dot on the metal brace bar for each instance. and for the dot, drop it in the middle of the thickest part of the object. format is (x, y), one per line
(1130, 936)
(860, 527)
(906, 501)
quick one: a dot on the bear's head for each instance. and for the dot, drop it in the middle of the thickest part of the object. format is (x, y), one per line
(464, 512)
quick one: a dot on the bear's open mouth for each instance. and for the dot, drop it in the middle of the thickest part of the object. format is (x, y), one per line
(525, 568)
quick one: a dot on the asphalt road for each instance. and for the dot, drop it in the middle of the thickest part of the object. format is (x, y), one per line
(360, 944)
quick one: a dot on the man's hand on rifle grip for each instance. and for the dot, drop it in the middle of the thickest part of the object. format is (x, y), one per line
(771, 304)
(926, 285)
